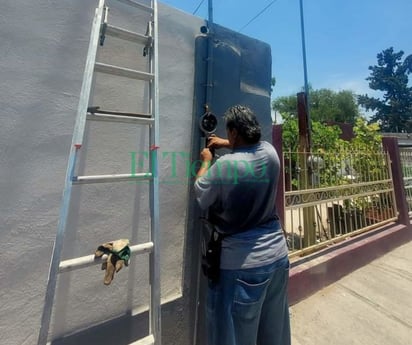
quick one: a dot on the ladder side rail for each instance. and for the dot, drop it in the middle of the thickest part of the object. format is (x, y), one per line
(155, 300)
(57, 249)
(88, 76)
(65, 204)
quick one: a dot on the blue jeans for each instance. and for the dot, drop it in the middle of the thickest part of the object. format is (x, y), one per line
(250, 306)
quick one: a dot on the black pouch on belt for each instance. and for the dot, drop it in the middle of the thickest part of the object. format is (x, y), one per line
(211, 256)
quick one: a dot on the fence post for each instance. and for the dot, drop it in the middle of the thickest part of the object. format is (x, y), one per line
(390, 145)
(280, 196)
(306, 171)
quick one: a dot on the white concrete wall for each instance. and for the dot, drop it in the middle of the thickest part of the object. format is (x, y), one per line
(43, 51)
(44, 47)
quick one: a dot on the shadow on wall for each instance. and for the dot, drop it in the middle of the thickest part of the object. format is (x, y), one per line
(128, 328)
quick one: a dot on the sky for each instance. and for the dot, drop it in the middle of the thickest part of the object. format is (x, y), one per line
(342, 37)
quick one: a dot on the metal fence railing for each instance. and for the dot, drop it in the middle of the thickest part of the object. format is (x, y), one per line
(330, 196)
(406, 164)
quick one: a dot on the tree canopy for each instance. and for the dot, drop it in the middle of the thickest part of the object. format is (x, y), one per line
(323, 137)
(394, 110)
(325, 105)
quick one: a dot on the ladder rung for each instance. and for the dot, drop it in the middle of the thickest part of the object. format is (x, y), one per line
(121, 71)
(96, 110)
(90, 260)
(120, 118)
(111, 178)
(137, 5)
(149, 340)
(115, 31)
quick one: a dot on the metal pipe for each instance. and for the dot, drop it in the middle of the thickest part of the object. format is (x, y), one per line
(210, 11)
(208, 99)
(209, 81)
(305, 71)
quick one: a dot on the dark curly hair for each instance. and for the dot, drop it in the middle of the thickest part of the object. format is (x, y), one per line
(244, 120)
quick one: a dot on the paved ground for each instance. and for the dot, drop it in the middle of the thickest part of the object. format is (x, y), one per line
(370, 306)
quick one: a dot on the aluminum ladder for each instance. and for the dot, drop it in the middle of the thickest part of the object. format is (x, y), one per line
(149, 40)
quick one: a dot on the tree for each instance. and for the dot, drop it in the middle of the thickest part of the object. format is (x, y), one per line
(394, 110)
(361, 156)
(325, 105)
(323, 137)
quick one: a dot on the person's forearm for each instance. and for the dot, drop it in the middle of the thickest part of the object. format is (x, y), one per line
(203, 169)
(215, 142)
(226, 144)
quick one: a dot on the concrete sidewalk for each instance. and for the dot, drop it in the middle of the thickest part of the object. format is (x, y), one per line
(370, 306)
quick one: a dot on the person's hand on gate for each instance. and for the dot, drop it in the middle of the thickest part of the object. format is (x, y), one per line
(215, 142)
(206, 155)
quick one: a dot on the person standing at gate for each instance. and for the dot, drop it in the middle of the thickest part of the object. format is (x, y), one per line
(247, 304)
